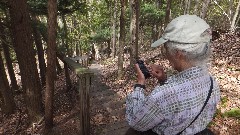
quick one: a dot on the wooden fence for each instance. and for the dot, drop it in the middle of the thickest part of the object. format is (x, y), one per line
(84, 86)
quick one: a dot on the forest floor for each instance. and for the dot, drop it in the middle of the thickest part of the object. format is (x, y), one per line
(225, 67)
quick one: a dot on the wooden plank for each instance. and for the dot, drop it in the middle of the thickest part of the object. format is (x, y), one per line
(76, 67)
(85, 85)
(84, 82)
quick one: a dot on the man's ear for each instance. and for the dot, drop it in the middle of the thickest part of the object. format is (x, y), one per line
(180, 55)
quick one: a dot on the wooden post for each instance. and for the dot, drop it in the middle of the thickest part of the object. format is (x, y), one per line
(68, 80)
(84, 82)
(84, 88)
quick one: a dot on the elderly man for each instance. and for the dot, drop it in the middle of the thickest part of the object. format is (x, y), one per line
(183, 103)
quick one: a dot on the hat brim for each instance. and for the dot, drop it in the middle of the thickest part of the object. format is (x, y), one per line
(159, 42)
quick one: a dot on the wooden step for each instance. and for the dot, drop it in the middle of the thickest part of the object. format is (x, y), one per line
(113, 105)
(118, 112)
(116, 128)
(105, 99)
(102, 93)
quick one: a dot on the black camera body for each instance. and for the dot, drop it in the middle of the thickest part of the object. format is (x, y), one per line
(144, 69)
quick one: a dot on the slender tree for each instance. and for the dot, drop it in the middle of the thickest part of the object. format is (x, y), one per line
(235, 17)
(8, 101)
(8, 58)
(113, 18)
(121, 40)
(134, 28)
(23, 45)
(196, 11)
(66, 43)
(168, 12)
(204, 8)
(51, 62)
(40, 52)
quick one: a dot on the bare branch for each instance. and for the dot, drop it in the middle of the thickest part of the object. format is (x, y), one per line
(222, 10)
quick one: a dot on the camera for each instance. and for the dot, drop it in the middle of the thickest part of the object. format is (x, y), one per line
(143, 68)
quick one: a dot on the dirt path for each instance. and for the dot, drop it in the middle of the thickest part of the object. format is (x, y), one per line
(107, 107)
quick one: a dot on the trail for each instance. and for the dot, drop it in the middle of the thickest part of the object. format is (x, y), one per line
(107, 107)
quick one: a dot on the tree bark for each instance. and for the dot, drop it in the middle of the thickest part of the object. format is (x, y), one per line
(168, 11)
(51, 62)
(59, 68)
(23, 45)
(114, 17)
(40, 52)
(121, 40)
(230, 9)
(8, 100)
(187, 6)
(8, 58)
(235, 17)
(204, 8)
(134, 28)
(66, 36)
(196, 7)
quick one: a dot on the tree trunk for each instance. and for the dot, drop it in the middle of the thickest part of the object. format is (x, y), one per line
(114, 17)
(230, 9)
(204, 8)
(235, 17)
(79, 39)
(66, 36)
(51, 62)
(121, 40)
(168, 11)
(154, 32)
(196, 12)
(187, 6)
(40, 52)
(23, 44)
(59, 68)
(8, 100)
(159, 25)
(8, 58)
(141, 29)
(134, 28)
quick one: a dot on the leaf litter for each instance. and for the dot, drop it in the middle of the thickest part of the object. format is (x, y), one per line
(225, 67)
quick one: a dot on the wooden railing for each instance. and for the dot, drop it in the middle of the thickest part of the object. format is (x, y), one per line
(84, 86)
(83, 60)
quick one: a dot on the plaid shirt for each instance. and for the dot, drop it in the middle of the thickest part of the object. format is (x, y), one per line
(172, 107)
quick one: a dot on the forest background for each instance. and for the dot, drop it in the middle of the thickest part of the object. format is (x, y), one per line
(34, 35)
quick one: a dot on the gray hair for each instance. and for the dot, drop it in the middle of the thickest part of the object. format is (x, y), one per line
(198, 57)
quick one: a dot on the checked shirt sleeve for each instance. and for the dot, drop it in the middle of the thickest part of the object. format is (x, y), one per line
(142, 113)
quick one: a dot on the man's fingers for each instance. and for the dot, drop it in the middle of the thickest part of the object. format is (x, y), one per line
(137, 68)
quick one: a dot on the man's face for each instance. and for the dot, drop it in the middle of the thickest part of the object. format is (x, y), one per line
(173, 59)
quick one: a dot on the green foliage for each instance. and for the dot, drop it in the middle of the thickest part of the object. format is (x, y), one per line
(224, 100)
(218, 113)
(38, 7)
(150, 14)
(64, 6)
(3, 6)
(235, 112)
(101, 36)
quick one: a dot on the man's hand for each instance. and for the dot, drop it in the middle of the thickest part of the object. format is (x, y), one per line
(158, 72)
(140, 75)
